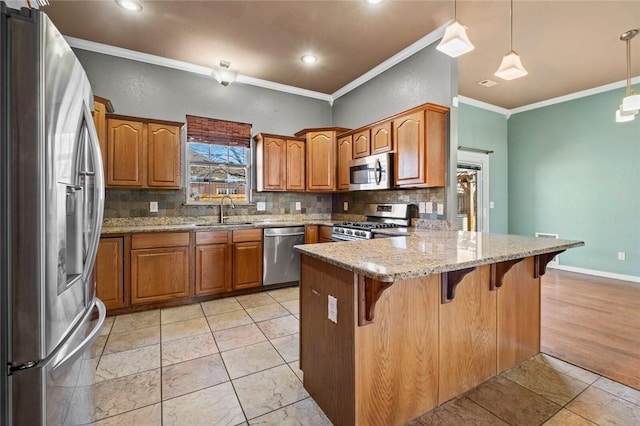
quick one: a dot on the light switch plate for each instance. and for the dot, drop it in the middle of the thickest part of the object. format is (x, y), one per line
(422, 207)
(153, 206)
(261, 206)
(428, 208)
(332, 309)
(345, 206)
(298, 205)
(440, 208)
(491, 205)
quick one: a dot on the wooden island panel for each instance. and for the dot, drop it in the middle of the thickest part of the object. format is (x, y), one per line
(468, 336)
(518, 315)
(326, 348)
(405, 328)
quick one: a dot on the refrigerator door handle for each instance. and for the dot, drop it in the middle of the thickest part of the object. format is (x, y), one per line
(94, 150)
(76, 353)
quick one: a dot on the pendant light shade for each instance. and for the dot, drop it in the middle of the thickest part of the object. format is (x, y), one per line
(623, 116)
(511, 66)
(455, 41)
(631, 103)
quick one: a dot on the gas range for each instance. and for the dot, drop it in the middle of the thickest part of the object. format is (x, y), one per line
(379, 216)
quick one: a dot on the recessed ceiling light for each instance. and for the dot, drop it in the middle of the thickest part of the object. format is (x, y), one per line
(309, 59)
(373, 2)
(131, 5)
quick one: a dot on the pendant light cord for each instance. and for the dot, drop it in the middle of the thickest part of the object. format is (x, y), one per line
(511, 26)
(455, 10)
(628, 66)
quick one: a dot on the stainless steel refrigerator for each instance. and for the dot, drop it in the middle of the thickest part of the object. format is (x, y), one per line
(52, 197)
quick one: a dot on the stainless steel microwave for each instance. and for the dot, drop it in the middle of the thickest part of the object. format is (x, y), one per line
(372, 172)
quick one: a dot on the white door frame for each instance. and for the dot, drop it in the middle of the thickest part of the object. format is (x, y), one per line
(479, 160)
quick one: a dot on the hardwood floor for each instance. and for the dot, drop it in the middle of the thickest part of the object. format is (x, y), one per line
(594, 323)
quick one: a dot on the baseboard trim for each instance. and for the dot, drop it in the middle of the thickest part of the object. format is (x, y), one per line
(612, 275)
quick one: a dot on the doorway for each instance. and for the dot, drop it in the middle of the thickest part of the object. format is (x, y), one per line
(473, 191)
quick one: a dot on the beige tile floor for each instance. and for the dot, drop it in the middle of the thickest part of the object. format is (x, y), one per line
(234, 361)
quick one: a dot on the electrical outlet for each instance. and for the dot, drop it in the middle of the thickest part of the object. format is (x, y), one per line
(491, 205)
(422, 207)
(332, 308)
(153, 206)
(345, 206)
(261, 206)
(440, 209)
(622, 255)
(298, 206)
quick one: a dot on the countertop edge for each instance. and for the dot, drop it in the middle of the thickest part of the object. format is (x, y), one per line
(445, 267)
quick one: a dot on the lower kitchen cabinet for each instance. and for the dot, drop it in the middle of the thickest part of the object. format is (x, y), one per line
(159, 267)
(109, 270)
(310, 234)
(325, 233)
(213, 263)
(247, 258)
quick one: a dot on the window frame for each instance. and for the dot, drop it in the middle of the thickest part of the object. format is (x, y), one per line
(186, 165)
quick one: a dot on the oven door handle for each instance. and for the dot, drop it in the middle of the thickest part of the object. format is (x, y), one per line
(378, 171)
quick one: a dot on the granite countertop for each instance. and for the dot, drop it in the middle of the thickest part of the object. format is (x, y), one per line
(208, 223)
(426, 252)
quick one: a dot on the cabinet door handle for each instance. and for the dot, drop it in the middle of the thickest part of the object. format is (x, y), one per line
(315, 292)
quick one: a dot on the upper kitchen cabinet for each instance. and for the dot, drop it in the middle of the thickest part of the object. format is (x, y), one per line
(280, 163)
(143, 153)
(345, 155)
(101, 107)
(321, 158)
(361, 144)
(420, 140)
(381, 140)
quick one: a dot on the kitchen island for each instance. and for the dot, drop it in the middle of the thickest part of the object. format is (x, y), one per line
(391, 328)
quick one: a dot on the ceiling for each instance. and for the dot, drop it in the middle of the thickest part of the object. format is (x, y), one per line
(567, 46)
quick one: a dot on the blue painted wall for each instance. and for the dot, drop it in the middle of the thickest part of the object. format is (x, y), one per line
(483, 129)
(574, 171)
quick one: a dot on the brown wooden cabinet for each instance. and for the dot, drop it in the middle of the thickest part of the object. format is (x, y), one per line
(213, 263)
(159, 267)
(247, 258)
(361, 144)
(109, 269)
(381, 140)
(295, 165)
(420, 139)
(324, 234)
(321, 158)
(310, 234)
(142, 153)
(163, 145)
(345, 155)
(280, 163)
(101, 107)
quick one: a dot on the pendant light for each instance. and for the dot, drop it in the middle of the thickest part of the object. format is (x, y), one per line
(455, 41)
(511, 66)
(631, 101)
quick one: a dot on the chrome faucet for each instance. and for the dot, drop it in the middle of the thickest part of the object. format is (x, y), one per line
(233, 206)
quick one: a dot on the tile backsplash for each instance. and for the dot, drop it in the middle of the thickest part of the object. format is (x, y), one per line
(125, 203)
(135, 203)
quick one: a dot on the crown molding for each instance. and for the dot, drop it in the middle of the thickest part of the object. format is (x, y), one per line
(412, 49)
(576, 95)
(186, 66)
(479, 104)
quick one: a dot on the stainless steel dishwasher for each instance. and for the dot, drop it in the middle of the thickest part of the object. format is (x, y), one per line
(281, 263)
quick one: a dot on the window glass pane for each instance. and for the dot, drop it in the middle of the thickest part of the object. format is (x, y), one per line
(237, 155)
(199, 186)
(219, 153)
(199, 152)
